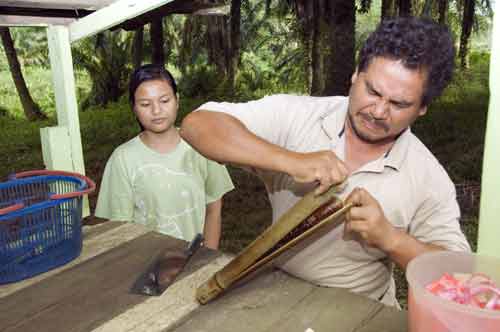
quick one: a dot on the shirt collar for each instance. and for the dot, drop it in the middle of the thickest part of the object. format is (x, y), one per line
(333, 125)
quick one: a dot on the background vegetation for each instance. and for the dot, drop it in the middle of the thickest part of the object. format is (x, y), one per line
(274, 55)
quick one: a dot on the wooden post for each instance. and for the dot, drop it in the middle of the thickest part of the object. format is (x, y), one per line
(63, 79)
(489, 216)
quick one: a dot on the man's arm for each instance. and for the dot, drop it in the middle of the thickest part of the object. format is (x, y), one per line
(224, 138)
(367, 220)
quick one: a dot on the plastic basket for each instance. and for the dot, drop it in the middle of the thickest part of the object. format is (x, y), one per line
(40, 222)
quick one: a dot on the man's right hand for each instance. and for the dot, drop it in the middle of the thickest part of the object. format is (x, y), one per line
(323, 167)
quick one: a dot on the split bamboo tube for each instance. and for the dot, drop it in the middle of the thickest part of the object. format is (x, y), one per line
(261, 245)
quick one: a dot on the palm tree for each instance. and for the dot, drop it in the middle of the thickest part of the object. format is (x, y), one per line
(31, 109)
(106, 57)
(328, 30)
(467, 23)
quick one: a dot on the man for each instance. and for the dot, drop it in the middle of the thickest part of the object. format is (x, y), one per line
(405, 201)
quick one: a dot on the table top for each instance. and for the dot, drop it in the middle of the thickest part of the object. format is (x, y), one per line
(91, 293)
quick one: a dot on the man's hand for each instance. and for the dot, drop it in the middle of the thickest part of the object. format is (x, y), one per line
(368, 222)
(322, 167)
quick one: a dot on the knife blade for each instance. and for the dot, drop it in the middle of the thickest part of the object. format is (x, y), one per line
(164, 269)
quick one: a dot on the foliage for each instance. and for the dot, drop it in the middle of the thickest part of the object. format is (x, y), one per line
(106, 58)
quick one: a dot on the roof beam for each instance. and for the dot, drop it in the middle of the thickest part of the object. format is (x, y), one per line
(8, 20)
(112, 15)
(43, 12)
(200, 7)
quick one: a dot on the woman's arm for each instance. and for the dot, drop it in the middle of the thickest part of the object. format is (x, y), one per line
(212, 229)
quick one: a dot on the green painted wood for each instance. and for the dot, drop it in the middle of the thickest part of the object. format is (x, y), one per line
(63, 79)
(489, 216)
(56, 148)
(112, 15)
(273, 301)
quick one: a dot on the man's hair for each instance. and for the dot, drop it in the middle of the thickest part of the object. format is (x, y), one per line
(420, 44)
(148, 72)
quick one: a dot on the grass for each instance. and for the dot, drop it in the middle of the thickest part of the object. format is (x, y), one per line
(453, 129)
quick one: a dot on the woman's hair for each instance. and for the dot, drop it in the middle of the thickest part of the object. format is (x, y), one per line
(145, 73)
(421, 44)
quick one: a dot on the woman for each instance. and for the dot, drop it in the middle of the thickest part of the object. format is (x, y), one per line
(156, 178)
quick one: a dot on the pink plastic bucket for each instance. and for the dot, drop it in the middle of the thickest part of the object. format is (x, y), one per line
(430, 313)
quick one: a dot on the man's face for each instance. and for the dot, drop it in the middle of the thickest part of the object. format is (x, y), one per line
(384, 100)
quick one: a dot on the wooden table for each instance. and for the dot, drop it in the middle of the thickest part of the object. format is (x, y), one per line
(92, 294)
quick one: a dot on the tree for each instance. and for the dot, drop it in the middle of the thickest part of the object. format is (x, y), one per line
(234, 41)
(328, 30)
(467, 23)
(31, 109)
(156, 32)
(404, 7)
(442, 9)
(138, 47)
(106, 57)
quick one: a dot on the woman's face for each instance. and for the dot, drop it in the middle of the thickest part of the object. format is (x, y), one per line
(156, 106)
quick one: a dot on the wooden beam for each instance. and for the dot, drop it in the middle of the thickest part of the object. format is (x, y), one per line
(176, 7)
(489, 216)
(63, 79)
(43, 12)
(61, 4)
(112, 15)
(23, 21)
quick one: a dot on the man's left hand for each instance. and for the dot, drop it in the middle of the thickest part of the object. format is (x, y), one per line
(368, 222)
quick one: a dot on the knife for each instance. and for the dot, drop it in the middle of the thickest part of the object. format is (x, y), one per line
(164, 269)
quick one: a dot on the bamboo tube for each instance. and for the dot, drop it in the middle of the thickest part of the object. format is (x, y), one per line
(254, 251)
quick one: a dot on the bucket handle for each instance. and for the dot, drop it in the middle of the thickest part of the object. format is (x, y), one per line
(11, 208)
(90, 184)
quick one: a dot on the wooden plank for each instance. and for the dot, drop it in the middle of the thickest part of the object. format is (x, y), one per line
(252, 305)
(31, 21)
(43, 12)
(277, 302)
(327, 307)
(201, 7)
(92, 247)
(110, 16)
(159, 313)
(63, 79)
(60, 4)
(90, 232)
(91, 293)
(489, 227)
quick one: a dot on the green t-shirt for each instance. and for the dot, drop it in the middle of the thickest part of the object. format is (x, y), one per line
(165, 192)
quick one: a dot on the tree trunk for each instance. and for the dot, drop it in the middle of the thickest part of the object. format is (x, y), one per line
(234, 42)
(158, 55)
(217, 44)
(467, 23)
(305, 14)
(320, 48)
(31, 109)
(404, 7)
(443, 8)
(386, 9)
(137, 47)
(427, 10)
(340, 65)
